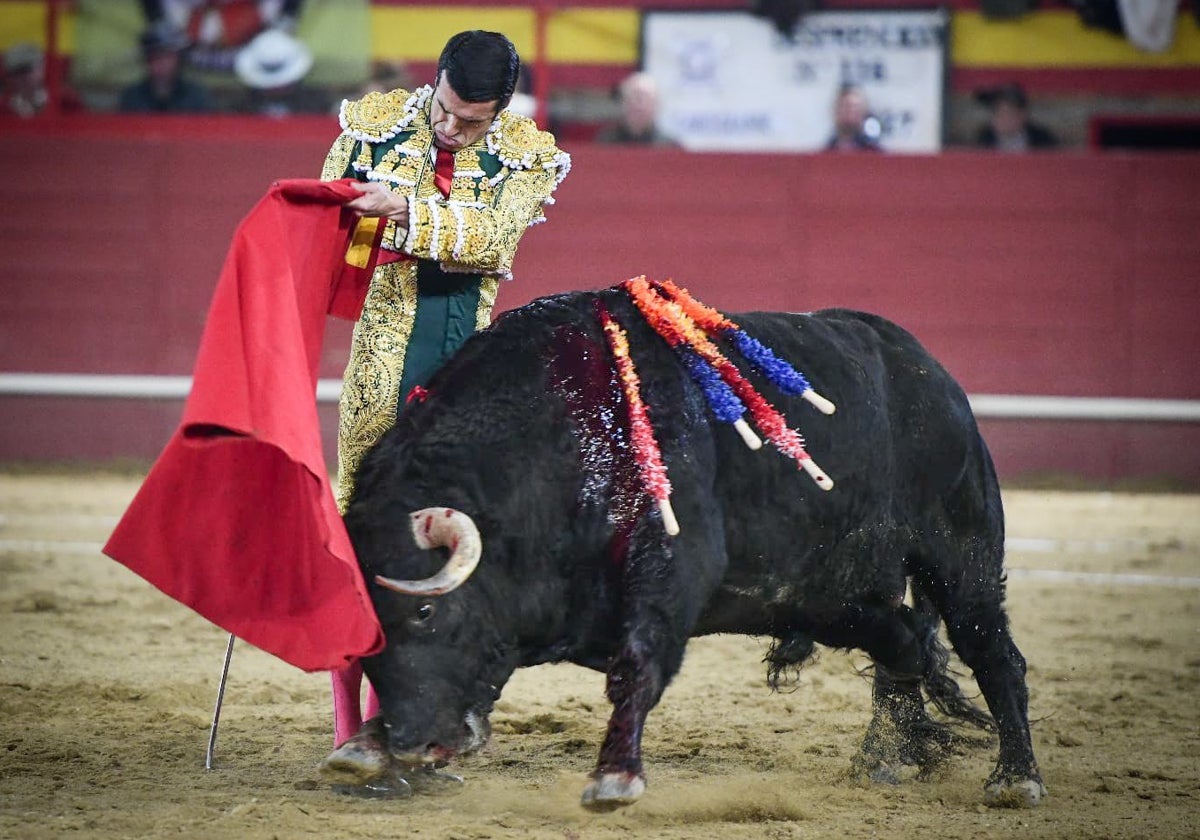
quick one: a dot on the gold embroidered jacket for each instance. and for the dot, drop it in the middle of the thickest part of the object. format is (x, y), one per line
(500, 183)
(500, 186)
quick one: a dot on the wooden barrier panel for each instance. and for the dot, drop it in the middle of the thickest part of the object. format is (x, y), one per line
(1060, 274)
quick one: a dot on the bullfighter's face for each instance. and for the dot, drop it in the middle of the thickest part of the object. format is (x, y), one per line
(457, 123)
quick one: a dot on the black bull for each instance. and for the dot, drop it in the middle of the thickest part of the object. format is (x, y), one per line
(525, 431)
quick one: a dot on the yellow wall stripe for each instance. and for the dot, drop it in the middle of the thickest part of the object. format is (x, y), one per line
(575, 36)
(418, 33)
(1058, 40)
(66, 34)
(25, 22)
(21, 22)
(593, 36)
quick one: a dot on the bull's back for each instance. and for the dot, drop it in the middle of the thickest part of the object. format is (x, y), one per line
(902, 448)
(891, 393)
(902, 442)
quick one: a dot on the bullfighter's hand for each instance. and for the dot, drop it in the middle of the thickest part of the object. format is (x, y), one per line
(378, 200)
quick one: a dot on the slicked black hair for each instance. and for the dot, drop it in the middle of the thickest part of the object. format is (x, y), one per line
(481, 67)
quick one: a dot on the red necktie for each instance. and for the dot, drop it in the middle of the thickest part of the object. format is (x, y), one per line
(443, 171)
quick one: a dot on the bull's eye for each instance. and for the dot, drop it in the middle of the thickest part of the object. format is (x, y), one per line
(423, 613)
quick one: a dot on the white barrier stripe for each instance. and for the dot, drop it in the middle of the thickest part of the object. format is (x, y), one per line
(1038, 575)
(1078, 546)
(59, 520)
(120, 386)
(329, 390)
(95, 385)
(51, 546)
(985, 406)
(1104, 578)
(1001, 406)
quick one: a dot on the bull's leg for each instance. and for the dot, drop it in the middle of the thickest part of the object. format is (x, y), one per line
(635, 684)
(978, 629)
(658, 610)
(659, 607)
(901, 732)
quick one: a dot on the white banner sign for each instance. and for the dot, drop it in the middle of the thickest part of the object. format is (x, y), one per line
(729, 81)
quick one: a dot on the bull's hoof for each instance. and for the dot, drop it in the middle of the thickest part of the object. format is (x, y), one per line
(609, 791)
(1023, 793)
(360, 759)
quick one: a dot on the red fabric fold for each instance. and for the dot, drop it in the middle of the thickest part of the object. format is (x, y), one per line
(236, 519)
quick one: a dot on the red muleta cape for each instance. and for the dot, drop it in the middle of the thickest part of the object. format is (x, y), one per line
(236, 518)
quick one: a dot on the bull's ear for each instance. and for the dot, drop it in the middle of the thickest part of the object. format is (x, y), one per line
(435, 528)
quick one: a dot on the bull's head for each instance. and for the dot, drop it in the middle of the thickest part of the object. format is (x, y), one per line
(445, 660)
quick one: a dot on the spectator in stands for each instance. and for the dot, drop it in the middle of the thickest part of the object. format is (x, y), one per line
(164, 88)
(638, 98)
(273, 67)
(385, 76)
(1009, 128)
(523, 101)
(24, 80)
(854, 128)
(218, 29)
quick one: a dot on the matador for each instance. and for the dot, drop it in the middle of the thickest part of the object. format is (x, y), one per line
(454, 179)
(440, 274)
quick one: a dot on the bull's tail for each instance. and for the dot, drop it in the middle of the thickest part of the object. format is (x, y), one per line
(940, 686)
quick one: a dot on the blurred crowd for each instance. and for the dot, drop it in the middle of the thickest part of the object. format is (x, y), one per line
(271, 64)
(245, 56)
(254, 42)
(195, 56)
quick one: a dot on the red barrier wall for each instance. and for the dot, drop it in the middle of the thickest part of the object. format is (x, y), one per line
(1058, 274)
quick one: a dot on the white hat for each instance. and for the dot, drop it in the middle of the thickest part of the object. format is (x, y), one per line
(272, 59)
(22, 56)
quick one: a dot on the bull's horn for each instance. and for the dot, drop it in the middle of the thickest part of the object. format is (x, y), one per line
(435, 527)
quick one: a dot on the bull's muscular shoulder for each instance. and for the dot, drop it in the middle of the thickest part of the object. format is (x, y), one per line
(379, 117)
(520, 144)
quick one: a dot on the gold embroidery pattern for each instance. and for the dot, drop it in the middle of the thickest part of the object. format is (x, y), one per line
(487, 299)
(371, 387)
(338, 159)
(402, 165)
(480, 225)
(520, 144)
(381, 116)
(490, 234)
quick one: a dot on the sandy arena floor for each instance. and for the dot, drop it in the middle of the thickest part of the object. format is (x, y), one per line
(107, 688)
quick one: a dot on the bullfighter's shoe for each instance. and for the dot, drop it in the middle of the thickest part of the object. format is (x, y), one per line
(361, 759)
